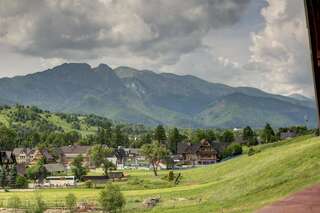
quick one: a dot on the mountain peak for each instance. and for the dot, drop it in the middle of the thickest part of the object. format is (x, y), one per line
(72, 65)
(103, 67)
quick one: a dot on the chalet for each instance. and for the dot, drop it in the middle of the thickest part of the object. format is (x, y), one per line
(37, 154)
(55, 169)
(201, 153)
(69, 153)
(22, 155)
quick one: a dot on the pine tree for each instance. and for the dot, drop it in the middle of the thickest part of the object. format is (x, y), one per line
(268, 135)
(160, 134)
(3, 179)
(13, 176)
(174, 139)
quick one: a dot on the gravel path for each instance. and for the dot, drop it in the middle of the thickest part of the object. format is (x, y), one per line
(306, 201)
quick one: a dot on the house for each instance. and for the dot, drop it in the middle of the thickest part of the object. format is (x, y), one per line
(69, 153)
(55, 169)
(22, 155)
(128, 157)
(287, 135)
(201, 153)
(37, 154)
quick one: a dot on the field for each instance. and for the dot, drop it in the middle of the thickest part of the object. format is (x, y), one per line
(243, 184)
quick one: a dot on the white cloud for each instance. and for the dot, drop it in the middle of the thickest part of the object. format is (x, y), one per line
(160, 31)
(280, 51)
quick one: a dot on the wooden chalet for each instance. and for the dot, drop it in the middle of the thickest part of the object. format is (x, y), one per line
(201, 153)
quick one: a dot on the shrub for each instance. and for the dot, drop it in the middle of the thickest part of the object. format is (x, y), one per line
(88, 184)
(21, 182)
(171, 176)
(232, 150)
(111, 199)
(71, 202)
(14, 202)
(39, 206)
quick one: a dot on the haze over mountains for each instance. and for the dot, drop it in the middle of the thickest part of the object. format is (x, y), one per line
(141, 96)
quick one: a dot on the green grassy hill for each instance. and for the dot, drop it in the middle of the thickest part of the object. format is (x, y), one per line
(243, 184)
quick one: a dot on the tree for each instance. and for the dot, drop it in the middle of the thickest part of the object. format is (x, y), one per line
(13, 176)
(98, 155)
(21, 182)
(268, 135)
(71, 202)
(36, 171)
(154, 153)
(77, 167)
(227, 136)
(3, 176)
(174, 139)
(118, 138)
(7, 138)
(211, 135)
(160, 134)
(111, 199)
(232, 150)
(249, 136)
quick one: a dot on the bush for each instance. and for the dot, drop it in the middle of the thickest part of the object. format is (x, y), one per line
(88, 184)
(39, 206)
(14, 202)
(21, 182)
(232, 150)
(111, 199)
(171, 176)
(71, 202)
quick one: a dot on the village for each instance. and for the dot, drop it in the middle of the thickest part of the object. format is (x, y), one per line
(57, 163)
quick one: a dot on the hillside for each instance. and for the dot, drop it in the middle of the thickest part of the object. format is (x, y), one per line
(146, 97)
(34, 119)
(243, 184)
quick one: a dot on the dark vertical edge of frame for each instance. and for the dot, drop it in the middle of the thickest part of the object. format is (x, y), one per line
(313, 22)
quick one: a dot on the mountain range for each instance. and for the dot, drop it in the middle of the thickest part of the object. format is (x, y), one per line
(150, 98)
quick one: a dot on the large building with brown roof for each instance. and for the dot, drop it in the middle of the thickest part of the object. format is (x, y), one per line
(201, 153)
(68, 153)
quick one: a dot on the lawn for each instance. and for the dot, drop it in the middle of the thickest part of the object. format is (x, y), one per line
(243, 184)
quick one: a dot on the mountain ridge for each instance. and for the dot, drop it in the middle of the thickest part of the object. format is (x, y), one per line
(147, 97)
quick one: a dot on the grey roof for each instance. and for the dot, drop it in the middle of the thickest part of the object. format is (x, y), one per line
(182, 148)
(75, 149)
(54, 167)
(17, 151)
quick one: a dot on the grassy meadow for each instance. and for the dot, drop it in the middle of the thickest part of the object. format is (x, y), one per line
(242, 184)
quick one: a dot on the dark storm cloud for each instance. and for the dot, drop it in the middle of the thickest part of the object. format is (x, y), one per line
(79, 29)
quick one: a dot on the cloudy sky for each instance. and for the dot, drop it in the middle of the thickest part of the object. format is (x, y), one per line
(259, 43)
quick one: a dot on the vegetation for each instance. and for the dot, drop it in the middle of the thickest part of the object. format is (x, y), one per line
(111, 199)
(243, 184)
(98, 155)
(154, 153)
(268, 135)
(77, 168)
(71, 202)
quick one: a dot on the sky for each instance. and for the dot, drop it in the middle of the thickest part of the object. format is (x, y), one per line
(256, 43)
